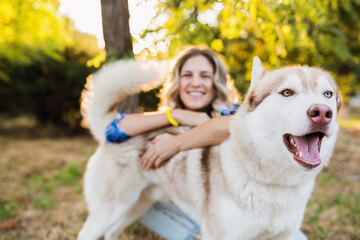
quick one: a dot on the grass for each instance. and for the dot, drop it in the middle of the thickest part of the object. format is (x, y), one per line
(43, 202)
(339, 213)
(41, 189)
(7, 209)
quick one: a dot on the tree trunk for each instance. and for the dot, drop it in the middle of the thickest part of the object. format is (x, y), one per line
(118, 44)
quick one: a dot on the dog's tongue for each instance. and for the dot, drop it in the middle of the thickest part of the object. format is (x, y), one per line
(308, 145)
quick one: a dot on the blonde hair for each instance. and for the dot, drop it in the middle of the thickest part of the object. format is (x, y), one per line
(225, 92)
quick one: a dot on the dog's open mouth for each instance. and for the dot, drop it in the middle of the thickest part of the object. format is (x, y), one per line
(306, 149)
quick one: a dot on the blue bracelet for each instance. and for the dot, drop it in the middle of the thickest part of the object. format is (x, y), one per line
(225, 112)
(114, 133)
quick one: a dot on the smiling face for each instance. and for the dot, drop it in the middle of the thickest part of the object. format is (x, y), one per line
(197, 83)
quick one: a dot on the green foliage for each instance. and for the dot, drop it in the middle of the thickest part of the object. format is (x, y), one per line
(326, 178)
(43, 61)
(342, 210)
(41, 187)
(70, 175)
(7, 209)
(50, 89)
(322, 33)
(43, 202)
(30, 27)
(349, 208)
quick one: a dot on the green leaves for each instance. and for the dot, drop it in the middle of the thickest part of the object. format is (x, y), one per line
(7, 209)
(28, 28)
(44, 61)
(41, 188)
(321, 33)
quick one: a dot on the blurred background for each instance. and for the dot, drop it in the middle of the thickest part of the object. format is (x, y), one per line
(49, 47)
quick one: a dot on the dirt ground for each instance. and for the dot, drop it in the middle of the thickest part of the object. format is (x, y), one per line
(41, 188)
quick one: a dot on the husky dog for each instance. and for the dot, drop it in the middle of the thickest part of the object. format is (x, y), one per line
(255, 185)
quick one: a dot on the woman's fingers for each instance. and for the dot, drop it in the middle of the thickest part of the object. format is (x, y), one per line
(148, 165)
(158, 162)
(147, 160)
(162, 149)
(153, 159)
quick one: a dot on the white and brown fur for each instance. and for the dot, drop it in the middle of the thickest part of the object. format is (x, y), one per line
(249, 187)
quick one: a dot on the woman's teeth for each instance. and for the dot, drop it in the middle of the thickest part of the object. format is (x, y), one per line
(195, 93)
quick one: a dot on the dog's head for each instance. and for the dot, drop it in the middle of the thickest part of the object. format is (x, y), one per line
(290, 113)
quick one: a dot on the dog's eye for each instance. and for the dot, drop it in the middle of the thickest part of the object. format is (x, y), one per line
(287, 93)
(328, 94)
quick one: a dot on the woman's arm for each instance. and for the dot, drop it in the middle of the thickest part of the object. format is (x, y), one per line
(210, 133)
(135, 124)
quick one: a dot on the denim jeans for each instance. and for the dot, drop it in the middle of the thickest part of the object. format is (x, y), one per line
(168, 221)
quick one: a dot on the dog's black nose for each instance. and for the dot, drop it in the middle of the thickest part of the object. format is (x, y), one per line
(320, 113)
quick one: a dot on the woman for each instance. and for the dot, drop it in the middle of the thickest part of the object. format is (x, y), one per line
(198, 91)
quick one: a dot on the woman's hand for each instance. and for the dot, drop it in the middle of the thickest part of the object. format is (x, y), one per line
(189, 118)
(163, 148)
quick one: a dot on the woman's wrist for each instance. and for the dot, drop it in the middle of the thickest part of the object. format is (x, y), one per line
(189, 117)
(170, 118)
(179, 143)
(175, 114)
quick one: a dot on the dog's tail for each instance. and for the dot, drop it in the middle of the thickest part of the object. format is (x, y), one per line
(105, 89)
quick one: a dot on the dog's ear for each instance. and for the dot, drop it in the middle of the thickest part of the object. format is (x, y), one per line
(257, 72)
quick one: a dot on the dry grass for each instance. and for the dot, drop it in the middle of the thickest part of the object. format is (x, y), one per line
(41, 188)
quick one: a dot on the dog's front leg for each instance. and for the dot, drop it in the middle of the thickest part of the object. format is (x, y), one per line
(103, 218)
(137, 211)
(116, 212)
